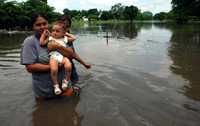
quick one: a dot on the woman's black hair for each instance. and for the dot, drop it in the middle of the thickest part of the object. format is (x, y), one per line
(35, 15)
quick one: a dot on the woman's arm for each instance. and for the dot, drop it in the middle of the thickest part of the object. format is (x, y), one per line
(67, 52)
(37, 67)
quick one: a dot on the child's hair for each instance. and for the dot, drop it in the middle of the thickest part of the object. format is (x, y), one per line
(66, 20)
(60, 23)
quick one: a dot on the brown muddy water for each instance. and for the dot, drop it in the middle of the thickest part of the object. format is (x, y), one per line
(143, 74)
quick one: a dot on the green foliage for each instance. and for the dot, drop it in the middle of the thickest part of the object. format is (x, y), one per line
(66, 11)
(184, 9)
(93, 11)
(117, 11)
(139, 15)
(16, 15)
(130, 12)
(147, 15)
(160, 16)
(93, 14)
(105, 15)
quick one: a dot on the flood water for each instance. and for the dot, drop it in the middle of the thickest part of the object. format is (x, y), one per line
(142, 74)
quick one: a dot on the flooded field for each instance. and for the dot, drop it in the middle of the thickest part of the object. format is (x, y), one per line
(142, 74)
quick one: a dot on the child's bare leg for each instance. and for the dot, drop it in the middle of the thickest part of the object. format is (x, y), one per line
(78, 58)
(68, 67)
(54, 71)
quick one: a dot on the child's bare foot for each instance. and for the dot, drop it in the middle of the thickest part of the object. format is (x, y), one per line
(88, 66)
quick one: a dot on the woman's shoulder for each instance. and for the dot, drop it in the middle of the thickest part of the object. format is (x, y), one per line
(30, 40)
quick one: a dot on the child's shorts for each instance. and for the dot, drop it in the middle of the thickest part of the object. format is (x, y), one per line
(57, 56)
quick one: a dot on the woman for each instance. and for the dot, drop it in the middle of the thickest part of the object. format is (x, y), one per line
(36, 59)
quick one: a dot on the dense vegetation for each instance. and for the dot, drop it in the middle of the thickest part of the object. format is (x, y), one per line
(184, 10)
(16, 15)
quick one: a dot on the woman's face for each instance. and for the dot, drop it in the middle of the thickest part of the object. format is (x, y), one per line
(40, 25)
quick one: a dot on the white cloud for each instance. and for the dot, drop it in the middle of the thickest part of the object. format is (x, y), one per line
(154, 6)
(104, 4)
(58, 4)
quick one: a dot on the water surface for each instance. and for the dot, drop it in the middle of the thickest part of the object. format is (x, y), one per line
(143, 74)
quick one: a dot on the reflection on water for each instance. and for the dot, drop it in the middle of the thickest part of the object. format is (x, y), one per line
(11, 41)
(185, 53)
(143, 74)
(116, 30)
(10, 45)
(56, 112)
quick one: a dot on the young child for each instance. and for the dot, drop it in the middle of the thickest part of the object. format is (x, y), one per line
(67, 22)
(58, 34)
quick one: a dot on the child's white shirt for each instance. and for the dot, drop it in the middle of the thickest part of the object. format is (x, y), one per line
(55, 54)
(62, 41)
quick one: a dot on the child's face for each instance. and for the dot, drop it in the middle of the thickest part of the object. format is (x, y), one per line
(57, 31)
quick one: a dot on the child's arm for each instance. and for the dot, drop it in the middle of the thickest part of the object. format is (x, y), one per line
(70, 37)
(81, 61)
(44, 38)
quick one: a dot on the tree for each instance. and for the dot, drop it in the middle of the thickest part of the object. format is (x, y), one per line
(130, 12)
(105, 15)
(14, 15)
(66, 11)
(32, 6)
(182, 9)
(9, 10)
(139, 15)
(160, 16)
(147, 15)
(117, 11)
(75, 14)
(45, 1)
(93, 14)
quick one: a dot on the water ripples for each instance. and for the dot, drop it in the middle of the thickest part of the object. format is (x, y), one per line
(137, 78)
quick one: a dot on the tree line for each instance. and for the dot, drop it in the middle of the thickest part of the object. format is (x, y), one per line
(184, 10)
(17, 15)
(117, 12)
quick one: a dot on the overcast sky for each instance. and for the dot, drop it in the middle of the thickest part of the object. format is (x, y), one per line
(154, 6)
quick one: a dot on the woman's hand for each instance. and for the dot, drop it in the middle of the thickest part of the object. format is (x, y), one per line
(67, 52)
(44, 37)
(46, 33)
(52, 45)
